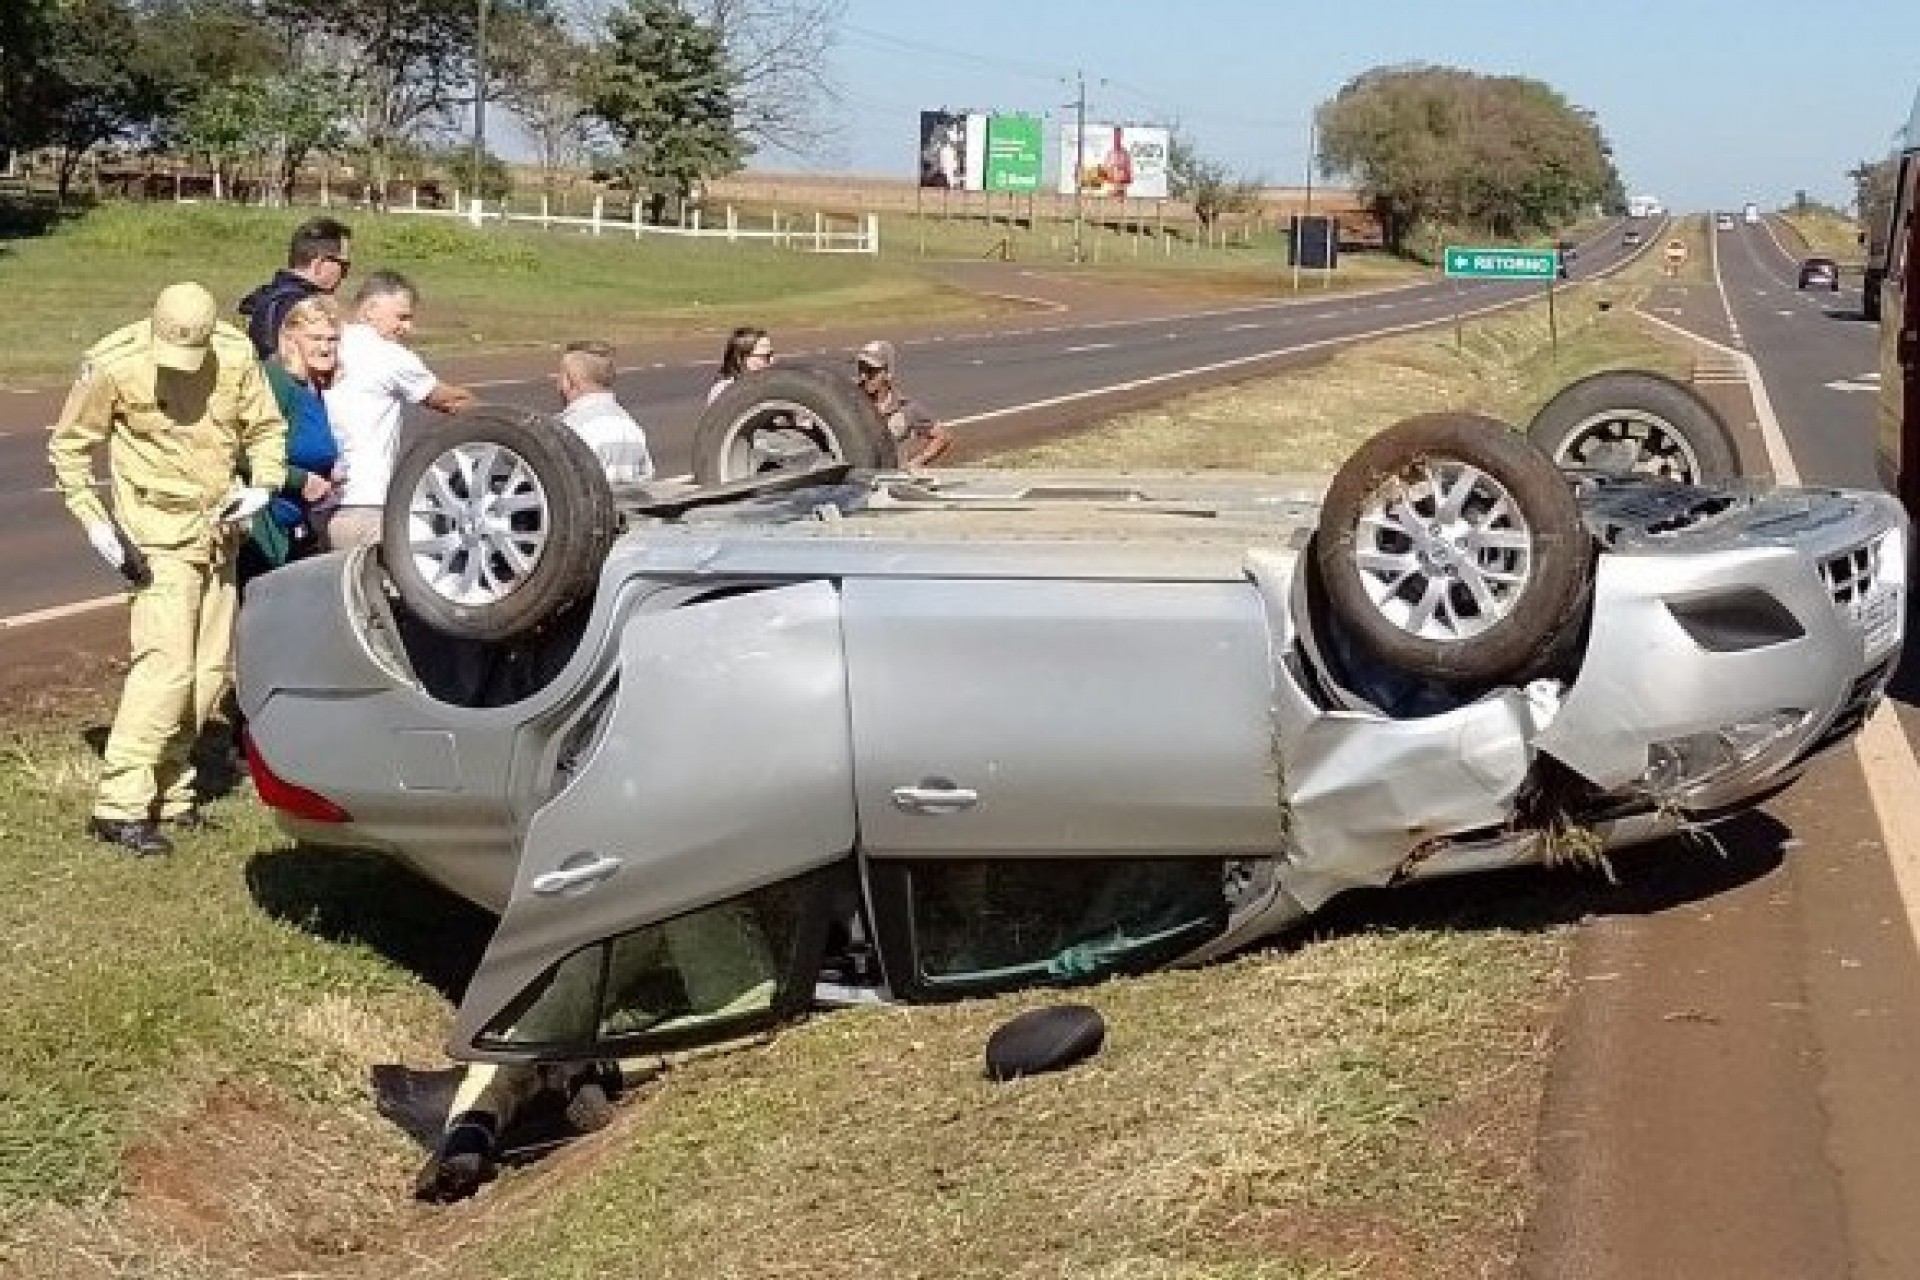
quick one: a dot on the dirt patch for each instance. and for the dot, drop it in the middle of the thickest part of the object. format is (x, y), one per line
(60, 667)
(242, 1175)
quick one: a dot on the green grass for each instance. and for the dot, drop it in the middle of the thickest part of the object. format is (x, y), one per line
(500, 290)
(482, 291)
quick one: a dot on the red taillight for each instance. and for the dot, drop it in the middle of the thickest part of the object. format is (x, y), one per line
(277, 793)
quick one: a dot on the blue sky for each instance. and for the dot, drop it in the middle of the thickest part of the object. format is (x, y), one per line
(1708, 103)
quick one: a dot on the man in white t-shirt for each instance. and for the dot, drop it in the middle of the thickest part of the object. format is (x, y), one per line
(585, 381)
(379, 378)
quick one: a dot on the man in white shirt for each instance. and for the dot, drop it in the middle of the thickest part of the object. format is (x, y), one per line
(585, 382)
(379, 377)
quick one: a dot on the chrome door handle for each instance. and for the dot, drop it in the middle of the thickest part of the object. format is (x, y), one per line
(935, 799)
(576, 875)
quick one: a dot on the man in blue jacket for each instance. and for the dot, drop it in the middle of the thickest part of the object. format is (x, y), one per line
(318, 259)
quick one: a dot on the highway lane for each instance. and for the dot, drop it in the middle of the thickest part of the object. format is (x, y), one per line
(1816, 354)
(1051, 371)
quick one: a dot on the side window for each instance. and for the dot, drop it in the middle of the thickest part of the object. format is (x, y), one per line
(962, 927)
(727, 969)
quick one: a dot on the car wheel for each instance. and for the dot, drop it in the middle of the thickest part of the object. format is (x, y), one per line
(495, 520)
(1451, 549)
(1634, 422)
(789, 418)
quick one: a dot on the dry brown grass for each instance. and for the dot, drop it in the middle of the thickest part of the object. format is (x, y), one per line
(1311, 419)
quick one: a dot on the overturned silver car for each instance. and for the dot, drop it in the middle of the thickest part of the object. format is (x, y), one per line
(717, 754)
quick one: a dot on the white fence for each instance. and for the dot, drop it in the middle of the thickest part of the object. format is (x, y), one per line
(819, 238)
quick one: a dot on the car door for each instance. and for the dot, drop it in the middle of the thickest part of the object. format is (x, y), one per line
(1048, 717)
(672, 892)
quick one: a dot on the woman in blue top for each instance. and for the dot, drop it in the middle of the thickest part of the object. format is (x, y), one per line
(299, 372)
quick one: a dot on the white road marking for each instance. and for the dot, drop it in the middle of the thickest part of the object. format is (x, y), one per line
(1158, 379)
(1853, 384)
(59, 611)
(1245, 324)
(1089, 346)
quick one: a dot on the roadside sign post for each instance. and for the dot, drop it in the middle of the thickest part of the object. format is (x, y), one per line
(1462, 262)
(1676, 256)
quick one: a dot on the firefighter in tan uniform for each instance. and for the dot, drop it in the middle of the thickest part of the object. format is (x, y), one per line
(181, 404)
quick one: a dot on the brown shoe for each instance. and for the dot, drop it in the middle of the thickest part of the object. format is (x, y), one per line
(142, 839)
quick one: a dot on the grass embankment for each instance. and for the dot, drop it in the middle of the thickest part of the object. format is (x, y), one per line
(500, 290)
(185, 1046)
(1310, 420)
(483, 291)
(1825, 233)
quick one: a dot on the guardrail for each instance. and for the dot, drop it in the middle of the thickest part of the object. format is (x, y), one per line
(820, 238)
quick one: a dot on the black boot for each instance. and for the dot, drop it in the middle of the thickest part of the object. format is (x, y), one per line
(141, 838)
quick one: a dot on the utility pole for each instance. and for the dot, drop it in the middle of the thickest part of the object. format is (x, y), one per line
(1300, 221)
(1079, 159)
(479, 99)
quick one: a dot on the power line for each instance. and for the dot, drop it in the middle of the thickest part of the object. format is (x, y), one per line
(902, 44)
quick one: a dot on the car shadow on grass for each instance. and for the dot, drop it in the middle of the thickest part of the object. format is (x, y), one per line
(1644, 880)
(369, 900)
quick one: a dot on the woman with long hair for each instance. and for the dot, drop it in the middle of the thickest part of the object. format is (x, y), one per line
(748, 349)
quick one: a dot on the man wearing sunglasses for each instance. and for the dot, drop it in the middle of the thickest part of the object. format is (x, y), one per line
(318, 258)
(922, 439)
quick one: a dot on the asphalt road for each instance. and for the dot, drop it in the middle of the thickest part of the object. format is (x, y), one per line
(1051, 370)
(1734, 1093)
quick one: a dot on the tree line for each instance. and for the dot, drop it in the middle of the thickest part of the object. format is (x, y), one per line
(665, 94)
(662, 93)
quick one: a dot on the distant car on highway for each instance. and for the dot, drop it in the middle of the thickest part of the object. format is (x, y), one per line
(1751, 213)
(1630, 237)
(1820, 273)
(1723, 222)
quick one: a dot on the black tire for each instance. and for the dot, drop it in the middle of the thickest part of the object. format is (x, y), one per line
(1633, 421)
(485, 574)
(1489, 592)
(1870, 293)
(1051, 1038)
(822, 412)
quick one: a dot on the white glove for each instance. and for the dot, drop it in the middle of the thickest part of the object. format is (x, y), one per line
(106, 541)
(242, 505)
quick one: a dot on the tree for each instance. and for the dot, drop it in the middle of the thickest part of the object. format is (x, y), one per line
(1873, 197)
(541, 74)
(86, 84)
(778, 52)
(664, 90)
(1437, 146)
(406, 62)
(23, 34)
(1207, 184)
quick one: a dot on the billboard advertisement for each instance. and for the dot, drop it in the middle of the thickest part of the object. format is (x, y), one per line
(1013, 153)
(1115, 160)
(953, 147)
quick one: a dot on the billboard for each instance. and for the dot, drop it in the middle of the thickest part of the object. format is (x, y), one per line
(953, 146)
(1013, 153)
(1115, 160)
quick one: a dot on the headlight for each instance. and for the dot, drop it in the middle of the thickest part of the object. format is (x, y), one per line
(1685, 764)
(1890, 564)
